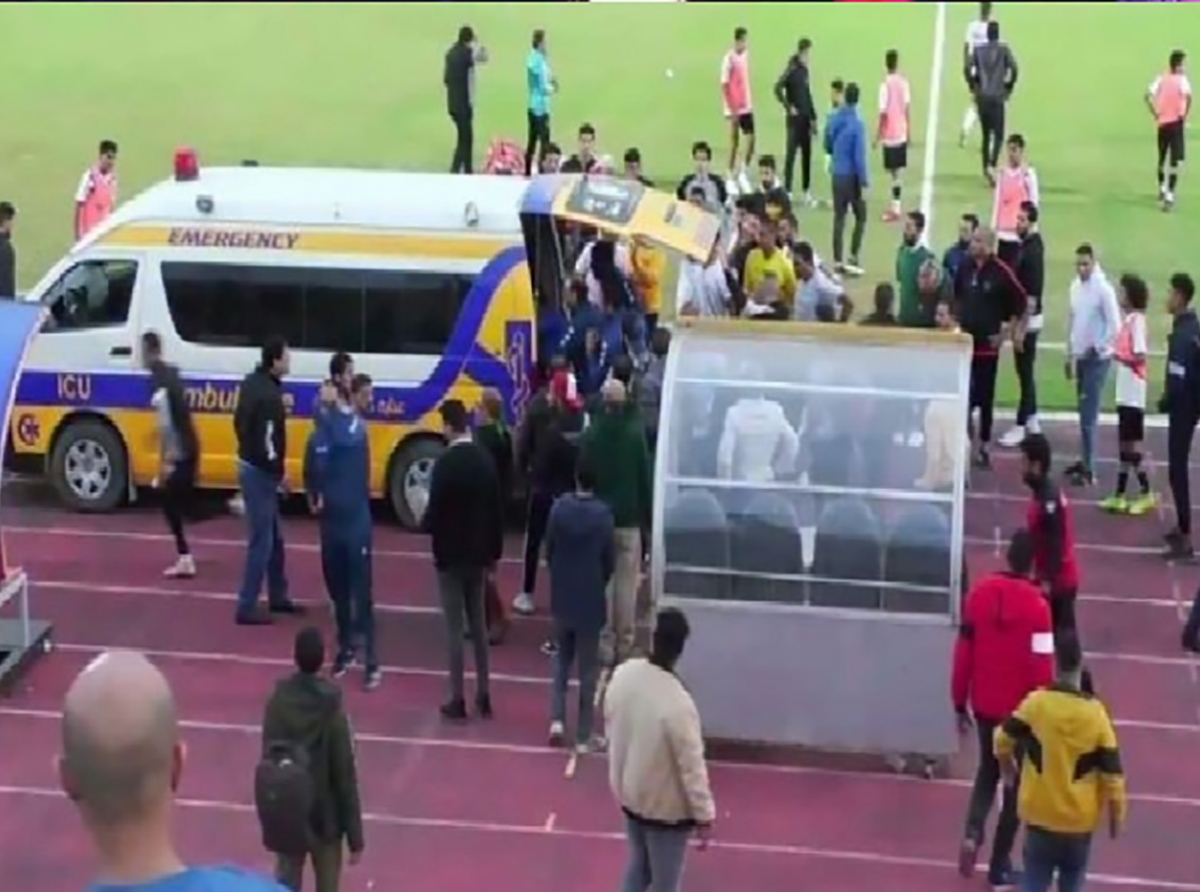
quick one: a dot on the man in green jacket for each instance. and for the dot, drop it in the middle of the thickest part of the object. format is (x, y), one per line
(614, 447)
(910, 257)
(306, 710)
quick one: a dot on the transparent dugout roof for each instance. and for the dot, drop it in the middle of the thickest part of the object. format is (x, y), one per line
(813, 465)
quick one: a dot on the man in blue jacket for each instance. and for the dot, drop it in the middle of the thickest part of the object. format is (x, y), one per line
(337, 477)
(846, 146)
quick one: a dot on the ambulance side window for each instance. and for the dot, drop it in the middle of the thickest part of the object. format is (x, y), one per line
(91, 294)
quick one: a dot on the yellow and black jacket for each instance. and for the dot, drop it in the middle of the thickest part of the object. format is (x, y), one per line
(1070, 763)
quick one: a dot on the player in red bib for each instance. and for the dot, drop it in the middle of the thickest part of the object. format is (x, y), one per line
(1050, 525)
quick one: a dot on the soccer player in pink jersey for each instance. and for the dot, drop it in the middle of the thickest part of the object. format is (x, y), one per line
(739, 110)
(1170, 100)
(97, 193)
(895, 99)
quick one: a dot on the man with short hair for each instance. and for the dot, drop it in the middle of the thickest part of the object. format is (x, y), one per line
(1169, 98)
(584, 160)
(465, 520)
(121, 762)
(656, 763)
(976, 37)
(306, 712)
(458, 77)
(794, 92)
(814, 288)
(337, 472)
(541, 84)
(614, 447)
(912, 254)
(1030, 268)
(1180, 401)
(713, 193)
(959, 252)
(895, 123)
(1070, 770)
(178, 449)
(260, 423)
(846, 144)
(1004, 651)
(992, 72)
(96, 196)
(739, 107)
(8, 256)
(1051, 523)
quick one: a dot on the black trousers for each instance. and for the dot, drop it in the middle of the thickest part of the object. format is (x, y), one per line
(1025, 362)
(799, 139)
(464, 141)
(537, 137)
(848, 197)
(1180, 429)
(991, 125)
(983, 393)
(983, 794)
(1062, 612)
(540, 504)
(177, 491)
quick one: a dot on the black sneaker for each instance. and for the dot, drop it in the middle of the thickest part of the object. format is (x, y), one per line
(1081, 476)
(1005, 878)
(454, 710)
(1179, 548)
(372, 680)
(549, 648)
(982, 459)
(483, 706)
(287, 608)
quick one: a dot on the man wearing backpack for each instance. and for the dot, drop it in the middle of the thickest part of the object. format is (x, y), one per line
(306, 786)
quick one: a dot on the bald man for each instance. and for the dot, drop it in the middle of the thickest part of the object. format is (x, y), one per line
(121, 763)
(991, 307)
(614, 447)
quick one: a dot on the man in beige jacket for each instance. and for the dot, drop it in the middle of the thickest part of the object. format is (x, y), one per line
(656, 761)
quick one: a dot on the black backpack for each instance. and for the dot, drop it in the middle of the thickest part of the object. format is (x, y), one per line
(284, 796)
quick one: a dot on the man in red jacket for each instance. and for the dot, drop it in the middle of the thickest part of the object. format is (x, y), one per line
(1005, 649)
(1053, 531)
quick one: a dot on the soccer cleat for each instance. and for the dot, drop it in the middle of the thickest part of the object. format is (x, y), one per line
(183, 568)
(1143, 503)
(1115, 504)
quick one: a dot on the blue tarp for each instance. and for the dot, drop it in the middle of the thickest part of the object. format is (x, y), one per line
(18, 324)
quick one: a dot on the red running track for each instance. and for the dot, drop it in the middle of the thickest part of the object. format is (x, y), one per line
(435, 792)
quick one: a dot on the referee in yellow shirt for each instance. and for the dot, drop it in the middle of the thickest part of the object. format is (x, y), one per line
(766, 261)
(1070, 773)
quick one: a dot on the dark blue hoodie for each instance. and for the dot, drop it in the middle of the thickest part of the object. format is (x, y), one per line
(1181, 390)
(579, 549)
(846, 144)
(337, 467)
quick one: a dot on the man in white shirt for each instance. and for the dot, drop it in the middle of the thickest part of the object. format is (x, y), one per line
(758, 444)
(1095, 320)
(976, 37)
(814, 285)
(583, 267)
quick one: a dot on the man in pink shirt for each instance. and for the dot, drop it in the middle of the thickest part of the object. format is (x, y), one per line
(895, 98)
(739, 110)
(97, 193)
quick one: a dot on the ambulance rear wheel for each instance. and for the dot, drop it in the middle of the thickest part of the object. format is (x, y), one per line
(88, 468)
(408, 480)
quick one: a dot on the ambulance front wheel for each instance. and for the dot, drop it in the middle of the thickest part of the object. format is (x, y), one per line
(88, 467)
(408, 480)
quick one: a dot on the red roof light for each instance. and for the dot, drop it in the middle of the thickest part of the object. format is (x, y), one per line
(187, 165)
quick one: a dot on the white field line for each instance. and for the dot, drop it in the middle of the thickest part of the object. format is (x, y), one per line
(933, 115)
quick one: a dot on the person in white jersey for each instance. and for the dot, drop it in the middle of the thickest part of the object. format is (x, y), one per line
(739, 107)
(1130, 354)
(895, 99)
(976, 37)
(1170, 99)
(1016, 184)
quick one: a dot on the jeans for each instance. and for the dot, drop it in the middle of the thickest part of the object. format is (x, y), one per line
(620, 634)
(461, 592)
(1047, 853)
(983, 793)
(264, 548)
(656, 857)
(326, 860)
(1181, 428)
(346, 566)
(1091, 374)
(583, 650)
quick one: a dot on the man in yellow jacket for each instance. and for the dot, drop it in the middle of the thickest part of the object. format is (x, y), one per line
(1070, 773)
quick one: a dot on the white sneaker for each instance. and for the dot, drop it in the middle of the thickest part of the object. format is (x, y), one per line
(1013, 438)
(557, 734)
(236, 505)
(1032, 425)
(183, 568)
(853, 269)
(523, 604)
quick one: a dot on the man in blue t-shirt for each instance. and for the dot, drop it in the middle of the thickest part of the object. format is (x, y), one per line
(121, 763)
(541, 84)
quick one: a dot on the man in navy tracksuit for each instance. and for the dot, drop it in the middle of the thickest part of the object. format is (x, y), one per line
(337, 478)
(846, 146)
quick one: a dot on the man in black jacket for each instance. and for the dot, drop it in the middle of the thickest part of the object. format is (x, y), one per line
(8, 257)
(1180, 401)
(260, 422)
(459, 80)
(465, 519)
(306, 711)
(1030, 268)
(794, 92)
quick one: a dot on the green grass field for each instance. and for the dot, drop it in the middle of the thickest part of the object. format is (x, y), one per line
(360, 85)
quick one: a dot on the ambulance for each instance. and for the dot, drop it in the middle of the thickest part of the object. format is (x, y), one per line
(427, 280)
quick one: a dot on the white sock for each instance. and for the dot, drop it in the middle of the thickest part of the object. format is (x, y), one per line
(969, 119)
